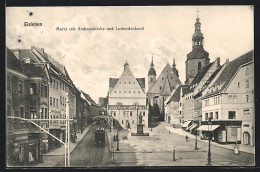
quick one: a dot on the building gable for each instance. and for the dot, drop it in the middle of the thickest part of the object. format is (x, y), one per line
(167, 73)
(126, 83)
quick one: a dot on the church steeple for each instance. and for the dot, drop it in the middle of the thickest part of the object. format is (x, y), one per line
(151, 75)
(197, 38)
(152, 70)
(152, 62)
(174, 68)
(198, 57)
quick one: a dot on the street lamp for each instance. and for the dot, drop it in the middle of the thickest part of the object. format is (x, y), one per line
(209, 152)
(196, 144)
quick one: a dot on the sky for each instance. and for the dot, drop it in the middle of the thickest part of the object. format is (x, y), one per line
(92, 57)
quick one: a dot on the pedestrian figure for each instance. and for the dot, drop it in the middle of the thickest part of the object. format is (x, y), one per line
(81, 130)
(169, 132)
(186, 137)
(158, 134)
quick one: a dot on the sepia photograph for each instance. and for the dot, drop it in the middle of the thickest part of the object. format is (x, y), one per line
(130, 86)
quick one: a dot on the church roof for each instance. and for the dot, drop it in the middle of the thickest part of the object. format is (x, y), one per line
(229, 71)
(151, 71)
(167, 73)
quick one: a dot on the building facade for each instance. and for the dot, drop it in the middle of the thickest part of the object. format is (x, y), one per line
(27, 99)
(127, 99)
(229, 102)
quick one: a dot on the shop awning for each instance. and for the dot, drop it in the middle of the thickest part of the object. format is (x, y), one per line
(208, 127)
(186, 124)
(193, 126)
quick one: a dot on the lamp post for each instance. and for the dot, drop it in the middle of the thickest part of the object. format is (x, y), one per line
(209, 152)
(196, 141)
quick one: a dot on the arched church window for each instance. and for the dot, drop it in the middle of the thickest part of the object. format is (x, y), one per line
(199, 65)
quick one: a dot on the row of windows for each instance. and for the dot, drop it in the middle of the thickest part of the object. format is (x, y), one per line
(231, 114)
(210, 115)
(127, 113)
(55, 85)
(55, 122)
(125, 92)
(127, 82)
(55, 102)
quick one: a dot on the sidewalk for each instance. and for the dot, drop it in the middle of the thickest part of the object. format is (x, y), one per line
(61, 150)
(51, 158)
(242, 148)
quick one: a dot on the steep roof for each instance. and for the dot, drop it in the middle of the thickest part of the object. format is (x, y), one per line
(23, 53)
(185, 90)
(112, 82)
(12, 62)
(176, 95)
(141, 82)
(34, 69)
(167, 72)
(208, 81)
(229, 71)
(89, 99)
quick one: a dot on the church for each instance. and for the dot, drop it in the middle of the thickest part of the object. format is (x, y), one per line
(160, 88)
(198, 57)
(127, 99)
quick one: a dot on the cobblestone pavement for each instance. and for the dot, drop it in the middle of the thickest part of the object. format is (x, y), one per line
(156, 150)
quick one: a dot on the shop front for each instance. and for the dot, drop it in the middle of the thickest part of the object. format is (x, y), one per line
(223, 132)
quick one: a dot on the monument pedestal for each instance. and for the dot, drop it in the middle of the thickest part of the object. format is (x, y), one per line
(140, 131)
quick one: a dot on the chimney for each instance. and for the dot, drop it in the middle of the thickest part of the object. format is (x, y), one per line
(17, 53)
(32, 47)
(227, 61)
(218, 61)
(42, 51)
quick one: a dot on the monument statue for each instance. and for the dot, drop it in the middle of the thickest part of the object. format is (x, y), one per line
(140, 119)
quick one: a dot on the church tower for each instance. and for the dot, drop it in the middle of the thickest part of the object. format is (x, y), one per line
(198, 57)
(151, 75)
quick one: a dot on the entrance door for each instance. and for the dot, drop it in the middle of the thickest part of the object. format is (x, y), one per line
(246, 138)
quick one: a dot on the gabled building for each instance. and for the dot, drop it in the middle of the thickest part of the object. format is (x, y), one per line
(27, 98)
(229, 102)
(60, 90)
(160, 88)
(173, 109)
(127, 99)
